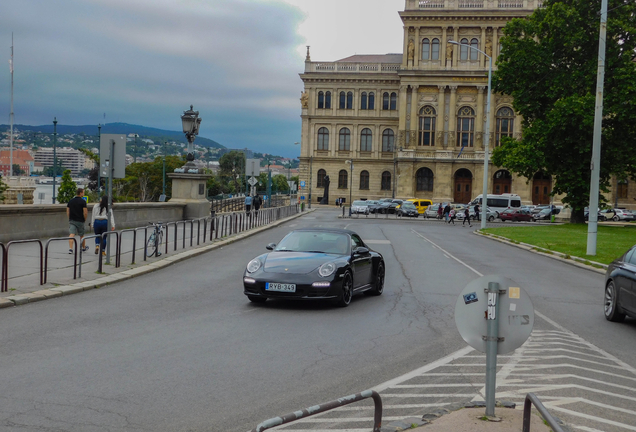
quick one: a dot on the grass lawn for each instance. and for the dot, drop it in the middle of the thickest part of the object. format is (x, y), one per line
(571, 239)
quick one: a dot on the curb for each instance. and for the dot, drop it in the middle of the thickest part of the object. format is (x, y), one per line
(64, 290)
(559, 256)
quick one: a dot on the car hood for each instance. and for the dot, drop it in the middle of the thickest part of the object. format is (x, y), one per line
(295, 262)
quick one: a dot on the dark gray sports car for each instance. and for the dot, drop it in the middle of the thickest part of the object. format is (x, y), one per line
(620, 287)
(315, 263)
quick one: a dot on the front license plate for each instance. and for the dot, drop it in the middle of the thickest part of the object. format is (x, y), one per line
(269, 286)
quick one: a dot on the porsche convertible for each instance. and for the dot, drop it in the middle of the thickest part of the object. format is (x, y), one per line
(315, 263)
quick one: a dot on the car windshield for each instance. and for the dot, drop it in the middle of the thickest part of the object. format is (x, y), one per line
(408, 206)
(360, 203)
(315, 241)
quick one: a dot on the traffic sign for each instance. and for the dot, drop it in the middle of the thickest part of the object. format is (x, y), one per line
(302, 183)
(252, 181)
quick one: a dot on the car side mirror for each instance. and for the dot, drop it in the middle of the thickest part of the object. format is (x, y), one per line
(271, 246)
(361, 250)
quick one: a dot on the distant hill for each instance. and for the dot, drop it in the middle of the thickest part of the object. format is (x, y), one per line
(119, 128)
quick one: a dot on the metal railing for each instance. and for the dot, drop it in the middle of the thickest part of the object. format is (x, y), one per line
(317, 409)
(5, 285)
(532, 399)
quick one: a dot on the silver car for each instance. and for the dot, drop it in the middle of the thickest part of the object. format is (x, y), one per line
(360, 207)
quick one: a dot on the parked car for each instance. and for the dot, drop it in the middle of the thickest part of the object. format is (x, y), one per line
(546, 214)
(618, 215)
(360, 207)
(408, 209)
(620, 287)
(515, 215)
(600, 216)
(491, 215)
(431, 211)
(315, 263)
(421, 204)
(387, 207)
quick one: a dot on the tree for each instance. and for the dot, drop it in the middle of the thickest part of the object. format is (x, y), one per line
(232, 171)
(144, 180)
(51, 172)
(68, 188)
(17, 170)
(548, 63)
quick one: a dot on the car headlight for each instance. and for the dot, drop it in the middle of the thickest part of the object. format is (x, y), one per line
(253, 265)
(327, 269)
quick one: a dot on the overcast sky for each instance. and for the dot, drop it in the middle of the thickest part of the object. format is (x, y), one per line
(146, 61)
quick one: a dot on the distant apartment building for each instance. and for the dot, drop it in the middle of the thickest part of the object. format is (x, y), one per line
(67, 157)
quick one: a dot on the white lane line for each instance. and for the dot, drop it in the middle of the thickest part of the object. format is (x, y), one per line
(447, 253)
(590, 402)
(585, 428)
(590, 417)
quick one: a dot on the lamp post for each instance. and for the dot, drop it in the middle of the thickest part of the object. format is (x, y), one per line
(135, 151)
(164, 171)
(54, 155)
(269, 185)
(99, 171)
(484, 199)
(191, 123)
(350, 162)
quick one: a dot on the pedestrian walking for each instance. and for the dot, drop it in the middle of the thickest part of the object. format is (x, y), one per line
(451, 216)
(447, 210)
(77, 212)
(440, 211)
(257, 202)
(248, 203)
(466, 217)
(99, 220)
(477, 214)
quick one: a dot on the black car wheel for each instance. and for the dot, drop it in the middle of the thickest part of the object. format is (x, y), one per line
(256, 299)
(491, 218)
(616, 218)
(612, 312)
(346, 293)
(378, 286)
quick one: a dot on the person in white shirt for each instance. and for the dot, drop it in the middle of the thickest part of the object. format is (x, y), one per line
(100, 222)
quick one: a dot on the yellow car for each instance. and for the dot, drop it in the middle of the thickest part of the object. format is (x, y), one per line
(421, 204)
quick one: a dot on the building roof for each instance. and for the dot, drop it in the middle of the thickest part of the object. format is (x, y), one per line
(22, 154)
(373, 58)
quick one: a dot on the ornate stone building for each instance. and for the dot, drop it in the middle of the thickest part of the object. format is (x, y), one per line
(414, 123)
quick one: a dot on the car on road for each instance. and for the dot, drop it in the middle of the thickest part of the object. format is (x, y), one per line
(620, 287)
(431, 211)
(387, 207)
(407, 209)
(315, 263)
(600, 216)
(421, 204)
(360, 207)
(617, 215)
(491, 215)
(515, 215)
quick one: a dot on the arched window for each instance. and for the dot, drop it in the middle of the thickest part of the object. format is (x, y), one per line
(424, 180)
(426, 48)
(321, 178)
(427, 126)
(463, 49)
(474, 44)
(388, 139)
(321, 100)
(435, 49)
(393, 101)
(465, 127)
(505, 124)
(323, 138)
(349, 100)
(371, 100)
(386, 181)
(343, 100)
(345, 139)
(363, 100)
(385, 101)
(364, 180)
(328, 100)
(343, 179)
(365, 140)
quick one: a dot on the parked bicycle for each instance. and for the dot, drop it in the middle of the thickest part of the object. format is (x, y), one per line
(153, 246)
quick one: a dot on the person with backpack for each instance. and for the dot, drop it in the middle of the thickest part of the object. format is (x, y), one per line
(100, 215)
(447, 210)
(256, 202)
(451, 216)
(467, 217)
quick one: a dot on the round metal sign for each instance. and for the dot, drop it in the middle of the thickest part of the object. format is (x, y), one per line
(516, 314)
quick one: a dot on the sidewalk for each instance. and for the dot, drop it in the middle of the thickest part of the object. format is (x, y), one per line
(24, 261)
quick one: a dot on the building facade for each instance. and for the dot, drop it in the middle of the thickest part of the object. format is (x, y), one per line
(69, 158)
(412, 125)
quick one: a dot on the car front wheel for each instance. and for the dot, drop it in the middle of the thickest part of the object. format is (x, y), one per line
(612, 312)
(615, 218)
(346, 292)
(378, 283)
(491, 218)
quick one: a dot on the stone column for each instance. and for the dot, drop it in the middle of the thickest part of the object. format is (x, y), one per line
(190, 189)
(482, 58)
(402, 108)
(333, 141)
(479, 121)
(452, 117)
(495, 44)
(439, 126)
(418, 49)
(405, 48)
(414, 113)
(442, 48)
(456, 48)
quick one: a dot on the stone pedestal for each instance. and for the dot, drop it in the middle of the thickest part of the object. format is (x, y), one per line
(190, 189)
(19, 185)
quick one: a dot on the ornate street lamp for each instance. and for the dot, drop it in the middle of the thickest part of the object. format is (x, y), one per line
(54, 155)
(191, 123)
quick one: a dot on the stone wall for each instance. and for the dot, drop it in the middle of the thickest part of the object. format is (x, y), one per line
(19, 222)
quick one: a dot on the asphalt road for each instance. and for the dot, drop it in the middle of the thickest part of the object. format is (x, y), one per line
(182, 349)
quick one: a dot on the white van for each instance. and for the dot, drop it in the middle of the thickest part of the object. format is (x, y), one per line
(499, 203)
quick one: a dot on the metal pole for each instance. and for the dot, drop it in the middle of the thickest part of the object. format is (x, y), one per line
(11, 132)
(164, 175)
(592, 226)
(492, 339)
(484, 194)
(99, 163)
(135, 153)
(54, 155)
(111, 172)
(311, 162)
(350, 185)
(269, 185)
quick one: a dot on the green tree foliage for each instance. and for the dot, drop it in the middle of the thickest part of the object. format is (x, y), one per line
(232, 171)
(548, 63)
(144, 180)
(50, 171)
(3, 187)
(68, 188)
(17, 170)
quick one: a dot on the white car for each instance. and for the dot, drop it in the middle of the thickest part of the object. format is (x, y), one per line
(618, 215)
(360, 207)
